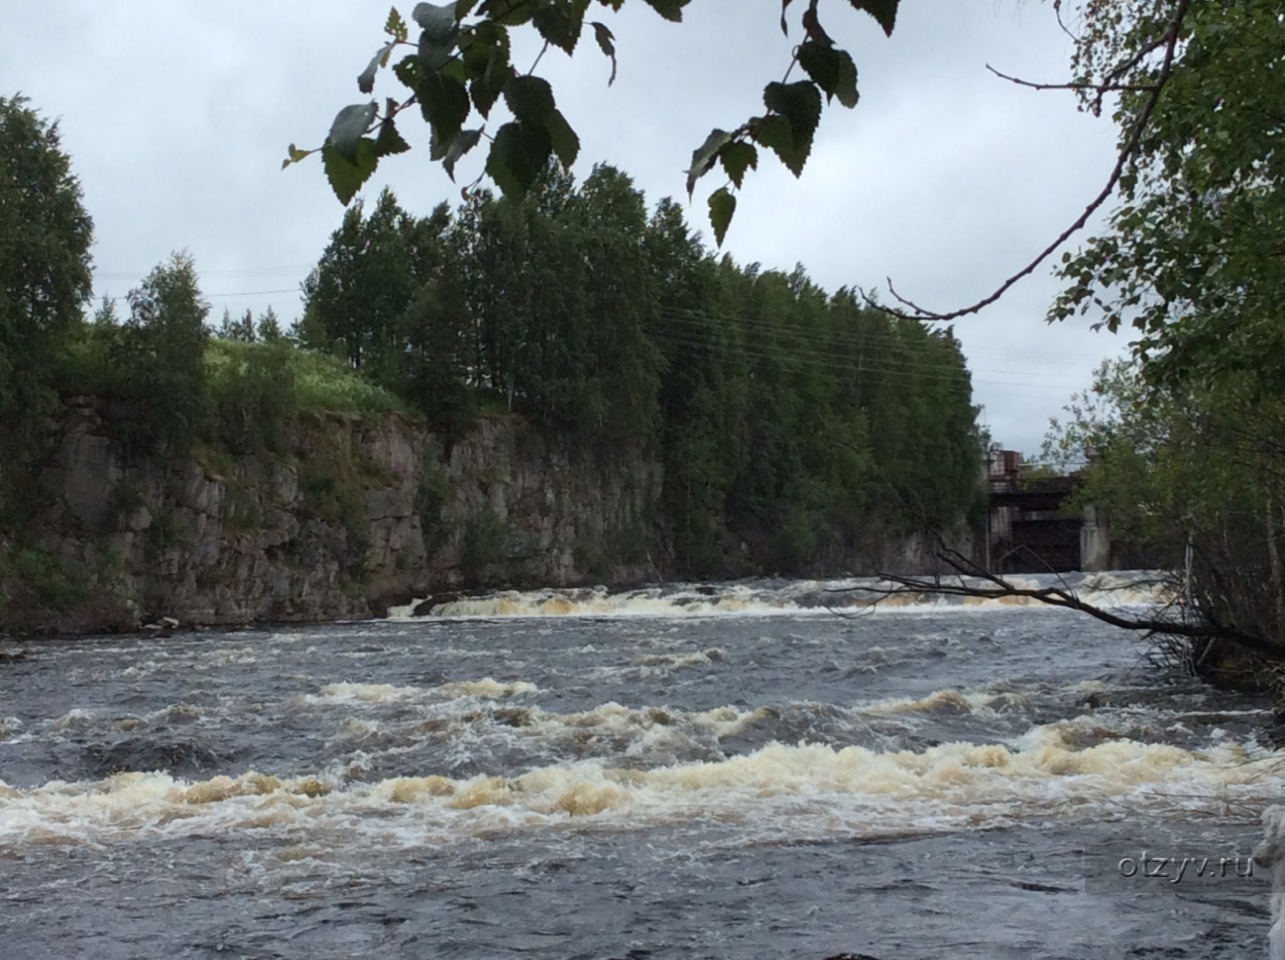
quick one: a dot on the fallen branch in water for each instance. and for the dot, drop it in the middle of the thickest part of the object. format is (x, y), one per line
(995, 587)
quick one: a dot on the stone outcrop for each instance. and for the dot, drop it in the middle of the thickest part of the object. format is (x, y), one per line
(343, 517)
(348, 515)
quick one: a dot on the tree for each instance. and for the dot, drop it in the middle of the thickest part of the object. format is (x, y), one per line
(45, 280)
(434, 373)
(1192, 257)
(461, 64)
(161, 353)
(1191, 476)
(268, 327)
(237, 328)
(1189, 451)
(363, 283)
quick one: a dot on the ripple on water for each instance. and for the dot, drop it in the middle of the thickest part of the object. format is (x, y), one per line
(708, 784)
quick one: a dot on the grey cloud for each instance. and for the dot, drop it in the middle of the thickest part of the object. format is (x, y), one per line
(177, 117)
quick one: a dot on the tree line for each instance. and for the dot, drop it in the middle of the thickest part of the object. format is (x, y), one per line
(800, 424)
(1185, 439)
(796, 428)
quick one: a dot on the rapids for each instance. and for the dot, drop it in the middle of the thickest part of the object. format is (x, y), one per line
(740, 771)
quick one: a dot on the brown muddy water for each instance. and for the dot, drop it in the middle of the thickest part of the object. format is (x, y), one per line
(724, 771)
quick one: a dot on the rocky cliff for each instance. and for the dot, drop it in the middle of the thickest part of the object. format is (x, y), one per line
(346, 515)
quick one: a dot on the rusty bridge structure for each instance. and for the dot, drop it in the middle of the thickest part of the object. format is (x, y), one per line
(1031, 526)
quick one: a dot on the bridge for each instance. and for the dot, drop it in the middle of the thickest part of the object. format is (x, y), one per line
(1030, 529)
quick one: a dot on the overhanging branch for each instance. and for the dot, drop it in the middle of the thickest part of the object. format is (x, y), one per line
(1169, 42)
(995, 587)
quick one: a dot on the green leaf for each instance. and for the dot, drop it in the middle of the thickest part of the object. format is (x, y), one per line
(434, 54)
(511, 14)
(444, 103)
(669, 9)
(703, 157)
(789, 133)
(294, 155)
(845, 89)
(774, 132)
(454, 70)
(812, 26)
(486, 62)
(606, 41)
(785, 27)
(349, 126)
(561, 25)
(395, 26)
(722, 205)
(409, 71)
(832, 69)
(519, 154)
(347, 174)
(437, 149)
(440, 34)
(885, 11)
(737, 156)
(485, 91)
(463, 8)
(461, 145)
(530, 99)
(389, 140)
(566, 145)
(437, 19)
(481, 44)
(366, 79)
(799, 103)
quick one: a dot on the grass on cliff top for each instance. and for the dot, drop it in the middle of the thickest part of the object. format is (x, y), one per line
(311, 380)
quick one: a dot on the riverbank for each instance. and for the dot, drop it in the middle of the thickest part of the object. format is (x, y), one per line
(348, 515)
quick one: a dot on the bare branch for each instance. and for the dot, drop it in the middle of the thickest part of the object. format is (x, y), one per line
(538, 57)
(1165, 40)
(995, 587)
(1169, 41)
(1057, 12)
(1101, 88)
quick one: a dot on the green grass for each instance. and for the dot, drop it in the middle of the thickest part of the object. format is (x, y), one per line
(38, 574)
(316, 381)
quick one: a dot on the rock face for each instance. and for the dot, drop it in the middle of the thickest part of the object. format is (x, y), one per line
(349, 515)
(346, 516)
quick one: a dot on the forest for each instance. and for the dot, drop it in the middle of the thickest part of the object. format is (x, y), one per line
(796, 427)
(799, 422)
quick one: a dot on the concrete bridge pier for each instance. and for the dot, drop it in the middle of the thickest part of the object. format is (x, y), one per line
(1095, 541)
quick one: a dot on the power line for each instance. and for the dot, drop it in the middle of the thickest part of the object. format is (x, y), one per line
(816, 361)
(243, 293)
(220, 274)
(841, 336)
(816, 349)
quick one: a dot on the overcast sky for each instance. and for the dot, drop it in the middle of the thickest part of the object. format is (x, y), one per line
(177, 116)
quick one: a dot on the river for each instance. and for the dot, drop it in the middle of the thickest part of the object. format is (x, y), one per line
(730, 771)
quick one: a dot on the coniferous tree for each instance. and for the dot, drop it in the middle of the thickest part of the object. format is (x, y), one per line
(268, 328)
(45, 236)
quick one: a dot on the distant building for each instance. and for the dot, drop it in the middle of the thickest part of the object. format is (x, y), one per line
(1029, 530)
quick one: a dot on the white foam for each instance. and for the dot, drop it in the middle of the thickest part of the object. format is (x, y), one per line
(486, 687)
(866, 596)
(367, 692)
(783, 791)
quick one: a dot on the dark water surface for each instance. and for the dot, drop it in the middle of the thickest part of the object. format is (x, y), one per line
(917, 783)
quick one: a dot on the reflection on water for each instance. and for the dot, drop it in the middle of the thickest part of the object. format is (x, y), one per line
(741, 775)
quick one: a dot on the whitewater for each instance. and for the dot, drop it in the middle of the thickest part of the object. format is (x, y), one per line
(768, 769)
